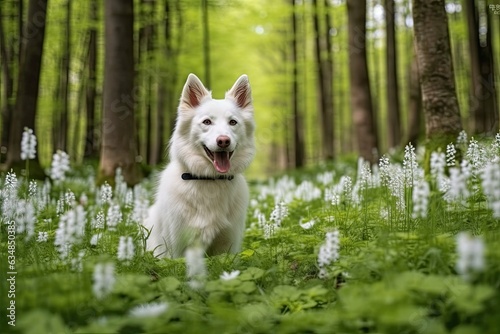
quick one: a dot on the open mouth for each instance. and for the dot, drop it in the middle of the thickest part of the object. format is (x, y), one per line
(220, 159)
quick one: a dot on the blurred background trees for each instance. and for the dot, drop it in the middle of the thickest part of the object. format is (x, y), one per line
(314, 96)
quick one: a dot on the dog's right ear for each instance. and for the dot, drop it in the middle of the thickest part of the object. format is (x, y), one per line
(193, 92)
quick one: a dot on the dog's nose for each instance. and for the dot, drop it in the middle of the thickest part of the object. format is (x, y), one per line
(223, 141)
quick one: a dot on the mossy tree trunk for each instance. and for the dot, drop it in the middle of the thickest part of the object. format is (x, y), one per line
(361, 99)
(119, 145)
(439, 98)
(32, 39)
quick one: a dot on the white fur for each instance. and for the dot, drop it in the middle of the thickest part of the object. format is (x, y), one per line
(210, 213)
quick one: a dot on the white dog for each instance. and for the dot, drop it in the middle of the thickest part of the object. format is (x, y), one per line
(202, 196)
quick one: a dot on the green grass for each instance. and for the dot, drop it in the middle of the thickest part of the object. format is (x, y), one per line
(395, 273)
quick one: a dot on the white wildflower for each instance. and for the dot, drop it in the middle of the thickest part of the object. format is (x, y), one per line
(70, 230)
(279, 212)
(410, 165)
(385, 170)
(59, 166)
(60, 205)
(77, 262)
(11, 180)
(9, 195)
(307, 191)
(476, 155)
(196, 270)
(495, 145)
(95, 238)
(98, 221)
(42, 237)
(437, 164)
(120, 186)
(325, 178)
(225, 276)
(490, 181)
(69, 198)
(450, 155)
(129, 198)
(396, 186)
(462, 138)
(104, 279)
(140, 210)
(32, 188)
(470, 251)
(458, 191)
(421, 191)
(114, 216)
(106, 193)
(148, 310)
(126, 249)
(28, 145)
(328, 252)
(307, 225)
(25, 218)
(84, 200)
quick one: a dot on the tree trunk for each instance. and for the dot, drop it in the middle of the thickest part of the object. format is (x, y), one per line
(28, 81)
(394, 126)
(298, 126)
(148, 50)
(206, 42)
(441, 110)
(119, 146)
(361, 102)
(483, 108)
(415, 104)
(324, 75)
(491, 118)
(91, 146)
(7, 89)
(62, 135)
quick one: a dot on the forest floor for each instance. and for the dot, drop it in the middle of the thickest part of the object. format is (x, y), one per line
(340, 248)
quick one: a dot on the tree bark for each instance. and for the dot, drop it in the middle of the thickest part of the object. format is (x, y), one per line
(394, 126)
(148, 46)
(299, 154)
(119, 146)
(415, 104)
(482, 96)
(206, 42)
(324, 81)
(33, 36)
(432, 41)
(361, 101)
(7, 89)
(61, 142)
(91, 145)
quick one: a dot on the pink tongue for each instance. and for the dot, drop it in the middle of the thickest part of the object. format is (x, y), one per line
(221, 161)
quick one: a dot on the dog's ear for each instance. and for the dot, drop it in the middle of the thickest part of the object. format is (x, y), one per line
(241, 92)
(193, 92)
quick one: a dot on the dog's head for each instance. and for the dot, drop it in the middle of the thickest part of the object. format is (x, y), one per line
(214, 137)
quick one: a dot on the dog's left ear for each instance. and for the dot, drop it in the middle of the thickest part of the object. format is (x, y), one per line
(241, 92)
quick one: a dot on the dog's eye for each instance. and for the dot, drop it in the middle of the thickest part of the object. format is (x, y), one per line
(232, 122)
(207, 122)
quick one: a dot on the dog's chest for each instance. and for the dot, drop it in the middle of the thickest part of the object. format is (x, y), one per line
(212, 203)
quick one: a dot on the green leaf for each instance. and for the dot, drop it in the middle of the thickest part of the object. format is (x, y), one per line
(168, 284)
(40, 321)
(247, 253)
(251, 273)
(471, 300)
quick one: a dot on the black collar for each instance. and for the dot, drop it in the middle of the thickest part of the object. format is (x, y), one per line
(189, 176)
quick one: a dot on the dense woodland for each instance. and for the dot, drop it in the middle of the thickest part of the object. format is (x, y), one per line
(101, 79)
